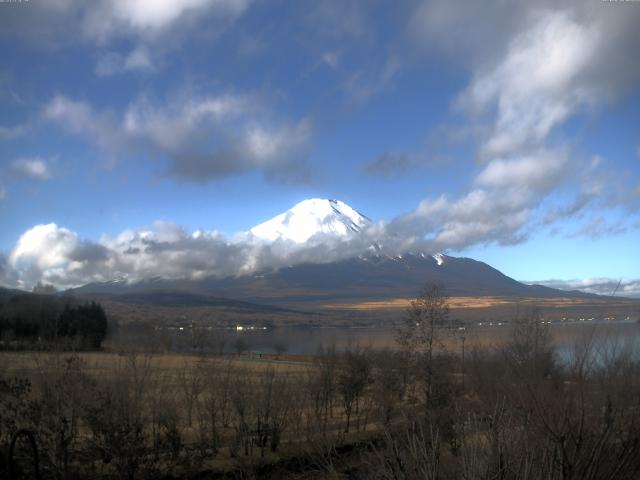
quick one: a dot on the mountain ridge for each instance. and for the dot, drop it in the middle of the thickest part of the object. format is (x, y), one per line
(362, 278)
(367, 276)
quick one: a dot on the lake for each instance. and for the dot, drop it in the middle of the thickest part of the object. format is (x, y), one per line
(306, 341)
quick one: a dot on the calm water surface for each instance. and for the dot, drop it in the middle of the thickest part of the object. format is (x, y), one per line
(304, 341)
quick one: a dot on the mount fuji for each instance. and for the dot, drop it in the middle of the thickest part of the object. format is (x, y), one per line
(366, 276)
(310, 218)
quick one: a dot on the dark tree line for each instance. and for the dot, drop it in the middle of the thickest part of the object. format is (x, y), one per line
(43, 319)
(88, 322)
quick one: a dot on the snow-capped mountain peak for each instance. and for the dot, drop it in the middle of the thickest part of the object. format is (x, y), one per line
(311, 217)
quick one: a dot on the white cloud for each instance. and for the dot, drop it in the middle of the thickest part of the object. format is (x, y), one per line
(366, 83)
(266, 145)
(500, 208)
(342, 19)
(331, 59)
(599, 286)
(55, 255)
(598, 226)
(481, 216)
(9, 133)
(390, 164)
(154, 26)
(103, 21)
(148, 17)
(533, 68)
(538, 83)
(138, 60)
(47, 246)
(201, 137)
(42, 252)
(539, 171)
(77, 117)
(109, 64)
(34, 168)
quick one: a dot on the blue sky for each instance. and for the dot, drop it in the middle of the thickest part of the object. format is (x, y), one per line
(507, 133)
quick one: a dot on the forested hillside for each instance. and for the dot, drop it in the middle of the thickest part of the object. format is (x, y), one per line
(28, 320)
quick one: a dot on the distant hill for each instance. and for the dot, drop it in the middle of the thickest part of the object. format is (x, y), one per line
(370, 277)
(36, 320)
(6, 293)
(321, 289)
(176, 299)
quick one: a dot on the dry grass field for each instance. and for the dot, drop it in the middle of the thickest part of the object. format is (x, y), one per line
(357, 413)
(169, 366)
(193, 412)
(457, 303)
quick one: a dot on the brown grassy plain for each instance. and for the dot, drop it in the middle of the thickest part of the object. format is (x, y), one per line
(456, 303)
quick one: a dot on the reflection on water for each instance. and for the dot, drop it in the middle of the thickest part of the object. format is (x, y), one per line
(304, 341)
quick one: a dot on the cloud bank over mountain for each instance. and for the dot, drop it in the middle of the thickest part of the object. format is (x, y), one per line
(313, 231)
(599, 286)
(55, 255)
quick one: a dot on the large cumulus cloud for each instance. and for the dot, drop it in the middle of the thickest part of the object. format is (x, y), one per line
(201, 137)
(534, 66)
(52, 254)
(150, 27)
(103, 21)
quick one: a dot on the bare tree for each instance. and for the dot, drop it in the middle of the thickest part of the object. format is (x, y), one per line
(61, 384)
(272, 405)
(243, 403)
(529, 350)
(427, 312)
(419, 334)
(219, 342)
(240, 345)
(190, 378)
(388, 385)
(409, 453)
(116, 415)
(321, 386)
(214, 409)
(280, 347)
(353, 376)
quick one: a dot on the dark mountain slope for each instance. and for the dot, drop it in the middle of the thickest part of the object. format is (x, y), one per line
(365, 277)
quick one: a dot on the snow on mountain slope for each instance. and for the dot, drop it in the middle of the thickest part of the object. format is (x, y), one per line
(311, 217)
